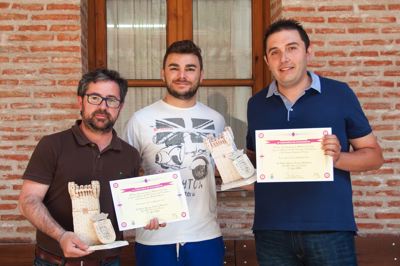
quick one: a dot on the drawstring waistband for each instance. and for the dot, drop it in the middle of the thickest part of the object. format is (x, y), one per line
(177, 250)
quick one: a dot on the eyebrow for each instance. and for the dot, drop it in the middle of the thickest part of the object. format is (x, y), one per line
(289, 44)
(176, 65)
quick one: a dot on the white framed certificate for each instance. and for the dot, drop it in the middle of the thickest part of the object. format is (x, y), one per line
(137, 200)
(292, 155)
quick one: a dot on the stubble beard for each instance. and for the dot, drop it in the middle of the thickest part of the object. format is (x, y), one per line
(92, 123)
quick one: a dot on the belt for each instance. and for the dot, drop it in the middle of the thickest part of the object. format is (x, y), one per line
(44, 255)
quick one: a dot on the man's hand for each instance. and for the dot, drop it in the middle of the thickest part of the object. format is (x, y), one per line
(331, 146)
(72, 245)
(154, 224)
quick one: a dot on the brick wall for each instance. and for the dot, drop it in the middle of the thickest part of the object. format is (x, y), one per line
(40, 63)
(43, 54)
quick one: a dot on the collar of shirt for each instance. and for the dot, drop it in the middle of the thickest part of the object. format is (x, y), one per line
(315, 84)
(83, 140)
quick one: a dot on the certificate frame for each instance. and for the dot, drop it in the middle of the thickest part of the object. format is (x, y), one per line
(139, 199)
(292, 155)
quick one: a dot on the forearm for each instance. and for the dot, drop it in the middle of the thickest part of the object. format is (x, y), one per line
(36, 212)
(365, 159)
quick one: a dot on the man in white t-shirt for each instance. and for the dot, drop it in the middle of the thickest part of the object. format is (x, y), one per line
(169, 136)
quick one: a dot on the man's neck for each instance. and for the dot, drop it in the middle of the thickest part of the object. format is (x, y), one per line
(181, 103)
(292, 93)
(102, 140)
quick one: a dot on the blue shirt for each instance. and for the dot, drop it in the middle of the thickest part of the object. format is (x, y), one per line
(307, 206)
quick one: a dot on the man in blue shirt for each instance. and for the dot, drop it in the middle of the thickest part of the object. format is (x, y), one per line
(308, 223)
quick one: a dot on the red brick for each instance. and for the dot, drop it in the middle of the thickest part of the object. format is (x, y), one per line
(332, 73)
(368, 94)
(13, 138)
(15, 157)
(394, 117)
(364, 53)
(378, 83)
(387, 215)
(330, 30)
(13, 49)
(390, 53)
(393, 183)
(391, 30)
(371, 7)
(345, 43)
(73, 106)
(391, 94)
(32, 28)
(316, 64)
(61, 70)
(28, 148)
(394, 7)
(25, 229)
(13, 16)
(30, 7)
(62, 7)
(31, 59)
(41, 82)
(55, 94)
(8, 117)
(9, 197)
(336, 8)
(40, 37)
(55, 117)
(12, 217)
(64, 17)
(387, 193)
(55, 48)
(8, 206)
(330, 53)
(344, 20)
(65, 59)
(336, 63)
(365, 183)
(362, 215)
(369, 225)
(394, 203)
(68, 82)
(380, 19)
(8, 82)
(362, 30)
(298, 9)
(27, 105)
(6, 27)
(392, 73)
(4, 5)
(18, 71)
(65, 28)
(310, 19)
(68, 37)
(368, 203)
(376, 106)
(378, 63)
(382, 127)
(377, 42)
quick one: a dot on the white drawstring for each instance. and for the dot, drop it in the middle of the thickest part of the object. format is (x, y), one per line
(177, 250)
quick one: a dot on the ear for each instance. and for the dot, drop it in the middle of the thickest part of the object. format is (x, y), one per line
(201, 75)
(80, 102)
(162, 73)
(266, 60)
(309, 52)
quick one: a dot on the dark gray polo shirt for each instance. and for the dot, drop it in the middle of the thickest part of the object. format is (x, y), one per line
(69, 156)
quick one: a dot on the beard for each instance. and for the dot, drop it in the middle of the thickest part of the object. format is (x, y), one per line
(96, 125)
(183, 95)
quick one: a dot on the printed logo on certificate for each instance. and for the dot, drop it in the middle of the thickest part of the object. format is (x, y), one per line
(137, 200)
(292, 155)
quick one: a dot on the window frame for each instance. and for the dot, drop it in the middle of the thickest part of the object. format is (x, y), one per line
(179, 26)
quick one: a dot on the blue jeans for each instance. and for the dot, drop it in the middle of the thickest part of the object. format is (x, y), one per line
(202, 253)
(290, 248)
(41, 262)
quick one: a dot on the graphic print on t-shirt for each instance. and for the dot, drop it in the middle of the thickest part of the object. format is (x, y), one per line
(182, 148)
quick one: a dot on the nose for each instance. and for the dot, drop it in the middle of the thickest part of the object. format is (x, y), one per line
(284, 57)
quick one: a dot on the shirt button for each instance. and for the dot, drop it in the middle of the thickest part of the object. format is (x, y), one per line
(98, 156)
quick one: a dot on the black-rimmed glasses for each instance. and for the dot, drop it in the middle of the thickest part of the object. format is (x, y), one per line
(96, 99)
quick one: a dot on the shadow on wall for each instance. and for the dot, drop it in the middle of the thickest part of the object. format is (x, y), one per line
(218, 102)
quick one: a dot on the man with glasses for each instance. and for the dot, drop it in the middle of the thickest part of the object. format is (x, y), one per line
(89, 150)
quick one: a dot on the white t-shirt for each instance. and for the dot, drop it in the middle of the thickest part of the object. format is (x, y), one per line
(169, 138)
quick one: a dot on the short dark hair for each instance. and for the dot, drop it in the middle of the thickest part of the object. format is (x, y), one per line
(184, 47)
(286, 24)
(102, 74)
